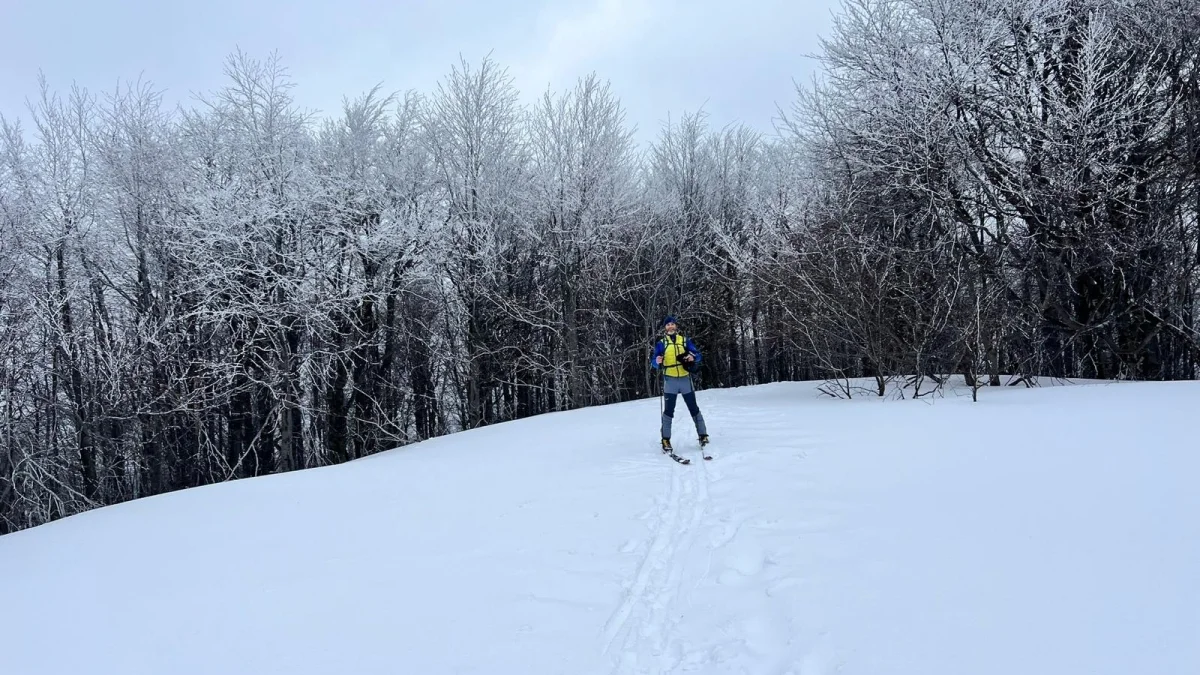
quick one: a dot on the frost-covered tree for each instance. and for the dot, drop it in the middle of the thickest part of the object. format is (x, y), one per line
(583, 196)
(248, 216)
(472, 128)
(375, 212)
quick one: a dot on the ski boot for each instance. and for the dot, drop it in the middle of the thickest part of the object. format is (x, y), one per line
(666, 446)
(703, 440)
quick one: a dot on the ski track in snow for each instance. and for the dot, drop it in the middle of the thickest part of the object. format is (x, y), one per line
(648, 632)
(643, 619)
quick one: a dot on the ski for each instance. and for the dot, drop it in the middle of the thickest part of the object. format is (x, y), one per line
(684, 460)
(677, 458)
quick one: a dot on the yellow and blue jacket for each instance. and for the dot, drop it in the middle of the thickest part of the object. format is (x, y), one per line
(672, 348)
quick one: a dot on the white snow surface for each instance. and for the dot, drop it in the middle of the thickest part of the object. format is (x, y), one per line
(1053, 530)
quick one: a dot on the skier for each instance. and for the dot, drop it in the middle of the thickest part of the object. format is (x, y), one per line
(675, 355)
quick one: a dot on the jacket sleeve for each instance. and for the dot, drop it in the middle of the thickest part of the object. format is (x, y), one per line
(691, 347)
(658, 351)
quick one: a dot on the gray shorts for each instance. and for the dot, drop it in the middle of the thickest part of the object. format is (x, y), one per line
(677, 385)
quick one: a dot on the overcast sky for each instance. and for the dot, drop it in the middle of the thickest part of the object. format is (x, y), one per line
(736, 59)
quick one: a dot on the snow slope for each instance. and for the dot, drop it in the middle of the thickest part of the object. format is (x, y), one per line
(1039, 531)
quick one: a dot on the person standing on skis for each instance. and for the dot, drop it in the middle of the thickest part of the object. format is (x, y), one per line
(675, 355)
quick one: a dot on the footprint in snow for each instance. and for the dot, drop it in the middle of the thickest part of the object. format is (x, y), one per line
(782, 585)
(820, 659)
(723, 535)
(742, 560)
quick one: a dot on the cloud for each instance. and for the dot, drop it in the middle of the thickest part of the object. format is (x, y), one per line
(577, 41)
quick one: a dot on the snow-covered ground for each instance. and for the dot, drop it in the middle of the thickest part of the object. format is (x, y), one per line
(1051, 531)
